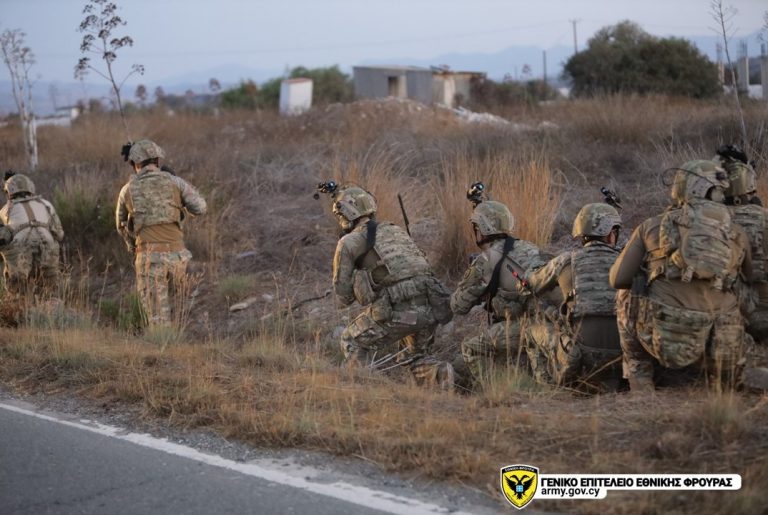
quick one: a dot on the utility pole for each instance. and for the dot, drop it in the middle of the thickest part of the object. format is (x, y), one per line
(544, 57)
(575, 39)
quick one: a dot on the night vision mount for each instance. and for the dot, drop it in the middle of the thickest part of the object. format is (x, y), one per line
(476, 193)
(328, 187)
(611, 198)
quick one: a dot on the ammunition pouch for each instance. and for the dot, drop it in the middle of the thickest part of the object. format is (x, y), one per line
(405, 290)
(362, 287)
(380, 309)
(507, 304)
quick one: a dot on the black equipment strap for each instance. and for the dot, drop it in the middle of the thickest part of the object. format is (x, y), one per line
(493, 285)
(370, 242)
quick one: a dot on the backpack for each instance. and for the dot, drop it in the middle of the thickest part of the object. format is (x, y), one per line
(697, 241)
(752, 219)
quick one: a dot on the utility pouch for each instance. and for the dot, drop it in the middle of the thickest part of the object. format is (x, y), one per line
(439, 300)
(362, 287)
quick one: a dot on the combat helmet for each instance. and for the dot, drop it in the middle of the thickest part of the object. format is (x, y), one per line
(695, 178)
(145, 149)
(352, 203)
(596, 219)
(741, 178)
(19, 183)
(492, 218)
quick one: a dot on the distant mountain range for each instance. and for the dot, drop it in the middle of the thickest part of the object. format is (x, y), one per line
(509, 61)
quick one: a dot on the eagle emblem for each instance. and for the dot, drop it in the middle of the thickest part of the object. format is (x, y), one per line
(518, 484)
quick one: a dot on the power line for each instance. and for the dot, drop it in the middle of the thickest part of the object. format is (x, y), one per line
(345, 46)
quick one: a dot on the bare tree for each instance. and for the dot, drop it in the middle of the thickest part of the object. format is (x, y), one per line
(141, 94)
(100, 22)
(723, 16)
(214, 85)
(19, 60)
(159, 95)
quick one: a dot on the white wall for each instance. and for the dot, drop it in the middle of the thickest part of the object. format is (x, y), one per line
(295, 96)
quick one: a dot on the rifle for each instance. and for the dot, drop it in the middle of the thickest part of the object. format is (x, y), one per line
(405, 215)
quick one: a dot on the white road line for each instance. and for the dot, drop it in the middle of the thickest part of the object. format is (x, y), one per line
(359, 495)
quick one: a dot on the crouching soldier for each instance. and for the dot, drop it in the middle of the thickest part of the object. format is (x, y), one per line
(693, 254)
(378, 265)
(32, 258)
(582, 346)
(495, 278)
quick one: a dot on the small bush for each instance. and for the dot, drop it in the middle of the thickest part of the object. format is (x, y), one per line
(236, 287)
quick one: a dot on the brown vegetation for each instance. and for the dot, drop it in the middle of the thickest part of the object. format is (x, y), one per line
(269, 375)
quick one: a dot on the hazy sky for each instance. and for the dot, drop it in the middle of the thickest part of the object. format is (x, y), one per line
(174, 37)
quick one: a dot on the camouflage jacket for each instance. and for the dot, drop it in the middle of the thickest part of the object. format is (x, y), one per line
(511, 297)
(394, 258)
(22, 215)
(163, 203)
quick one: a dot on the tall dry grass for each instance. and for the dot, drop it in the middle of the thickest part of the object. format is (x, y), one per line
(523, 181)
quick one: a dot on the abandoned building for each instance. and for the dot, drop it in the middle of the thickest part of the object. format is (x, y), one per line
(425, 85)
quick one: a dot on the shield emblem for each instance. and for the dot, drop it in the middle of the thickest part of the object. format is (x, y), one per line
(519, 483)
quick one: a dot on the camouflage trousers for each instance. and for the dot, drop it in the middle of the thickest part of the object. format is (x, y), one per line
(676, 338)
(31, 263)
(757, 314)
(498, 343)
(557, 356)
(401, 335)
(159, 275)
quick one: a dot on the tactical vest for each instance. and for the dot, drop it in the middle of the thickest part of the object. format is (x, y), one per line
(511, 297)
(698, 242)
(752, 219)
(398, 256)
(592, 295)
(12, 218)
(155, 200)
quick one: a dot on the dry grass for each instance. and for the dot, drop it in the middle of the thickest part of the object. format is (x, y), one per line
(269, 376)
(522, 180)
(265, 393)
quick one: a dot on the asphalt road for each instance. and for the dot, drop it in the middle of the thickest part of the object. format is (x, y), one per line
(50, 466)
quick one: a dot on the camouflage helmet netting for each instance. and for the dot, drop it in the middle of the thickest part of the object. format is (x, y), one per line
(491, 217)
(145, 149)
(596, 219)
(19, 183)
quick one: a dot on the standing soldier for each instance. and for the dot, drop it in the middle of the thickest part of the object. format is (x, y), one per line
(495, 278)
(150, 209)
(32, 258)
(378, 265)
(693, 255)
(583, 344)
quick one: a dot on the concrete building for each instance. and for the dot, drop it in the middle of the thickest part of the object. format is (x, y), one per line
(295, 96)
(425, 85)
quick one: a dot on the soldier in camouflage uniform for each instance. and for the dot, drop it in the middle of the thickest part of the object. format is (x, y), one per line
(378, 265)
(582, 346)
(32, 258)
(149, 214)
(692, 255)
(748, 212)
(502, 266)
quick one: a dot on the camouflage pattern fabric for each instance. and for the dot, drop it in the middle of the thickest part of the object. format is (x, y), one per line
(32, 257)
(496, 345)
(154, 199)
(697, 241)
(678, 337)
(592, 295)
(381, 329)
(158, 274)
(401, 287)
